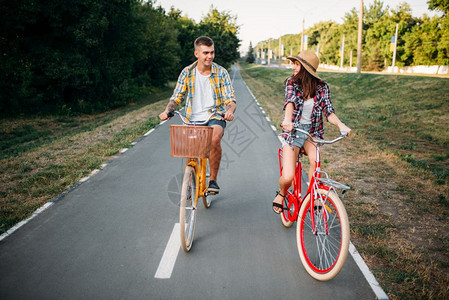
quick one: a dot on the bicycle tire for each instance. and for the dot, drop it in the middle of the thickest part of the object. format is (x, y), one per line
(323, 255)
(187, 208)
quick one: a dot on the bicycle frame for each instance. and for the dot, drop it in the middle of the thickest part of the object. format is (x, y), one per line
(315, 183)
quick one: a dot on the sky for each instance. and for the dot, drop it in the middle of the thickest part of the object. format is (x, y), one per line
(263, 19)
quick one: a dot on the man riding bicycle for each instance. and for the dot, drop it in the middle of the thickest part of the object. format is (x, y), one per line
(205, 86)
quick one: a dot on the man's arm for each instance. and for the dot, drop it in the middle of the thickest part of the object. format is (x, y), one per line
(170, 107)
(229, 97)
(230, 109)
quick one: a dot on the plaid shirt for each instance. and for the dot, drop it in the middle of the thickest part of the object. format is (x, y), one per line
(321, 104)
(223, 92)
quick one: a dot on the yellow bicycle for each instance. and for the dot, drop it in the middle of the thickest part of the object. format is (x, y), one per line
(193, 142)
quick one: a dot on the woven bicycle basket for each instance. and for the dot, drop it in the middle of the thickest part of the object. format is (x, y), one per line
(190, 141)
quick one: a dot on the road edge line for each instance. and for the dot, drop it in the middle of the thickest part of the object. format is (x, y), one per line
(369, 276)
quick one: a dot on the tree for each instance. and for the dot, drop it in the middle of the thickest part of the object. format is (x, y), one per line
(350, 30)
(187, 33)
(250, 55)
(76, 53)
(85, 55)
(441, 5)
(376, 37)
(158, 50)
(223, 29)
(329, 41)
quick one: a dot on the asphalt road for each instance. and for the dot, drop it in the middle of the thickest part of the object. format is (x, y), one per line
(106, 238)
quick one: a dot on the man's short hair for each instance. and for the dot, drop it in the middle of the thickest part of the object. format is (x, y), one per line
(203, 40)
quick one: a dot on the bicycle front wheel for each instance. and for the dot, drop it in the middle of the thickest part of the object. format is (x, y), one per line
(187, 208)
(323, 250)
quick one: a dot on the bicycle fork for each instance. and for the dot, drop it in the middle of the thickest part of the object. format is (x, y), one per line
(194, 164)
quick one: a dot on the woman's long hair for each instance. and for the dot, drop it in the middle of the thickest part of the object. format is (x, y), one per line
(307, 82)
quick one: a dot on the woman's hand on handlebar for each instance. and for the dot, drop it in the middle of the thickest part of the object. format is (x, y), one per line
(345, 129)
(287, 125)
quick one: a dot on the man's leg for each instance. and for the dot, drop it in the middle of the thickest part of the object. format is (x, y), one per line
(215, 152)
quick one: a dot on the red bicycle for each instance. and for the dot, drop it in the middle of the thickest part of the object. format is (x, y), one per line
(322, 231)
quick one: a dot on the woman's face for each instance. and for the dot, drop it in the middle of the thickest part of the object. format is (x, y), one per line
(296, 67)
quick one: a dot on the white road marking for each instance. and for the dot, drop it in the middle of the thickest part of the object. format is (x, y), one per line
(377, 289)
(170, 254)
(151, 130)
(20, 224)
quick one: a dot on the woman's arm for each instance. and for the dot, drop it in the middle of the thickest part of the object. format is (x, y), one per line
(333, 119)
(287, 122)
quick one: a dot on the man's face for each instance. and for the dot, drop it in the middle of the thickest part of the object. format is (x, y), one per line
(205, 55)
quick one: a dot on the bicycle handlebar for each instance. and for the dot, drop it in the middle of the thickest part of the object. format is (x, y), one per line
(322, 141)
(343, 134)
(184, 120)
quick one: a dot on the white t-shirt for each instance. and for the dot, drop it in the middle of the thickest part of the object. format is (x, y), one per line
(306, 116)
(203, 98)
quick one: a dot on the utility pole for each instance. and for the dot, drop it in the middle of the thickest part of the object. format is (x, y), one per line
(395, 45)
(350, 59)
(342, 53)
(269, 56)
(359, 39)
(280, 51)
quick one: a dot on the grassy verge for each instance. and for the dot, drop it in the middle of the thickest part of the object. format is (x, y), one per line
(397, 163)
(43, 156)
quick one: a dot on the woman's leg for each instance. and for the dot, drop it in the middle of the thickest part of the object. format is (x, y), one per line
(310, 149)
(289, 157)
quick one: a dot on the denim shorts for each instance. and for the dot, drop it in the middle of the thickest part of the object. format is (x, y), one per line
(222, 123)
(301, 138)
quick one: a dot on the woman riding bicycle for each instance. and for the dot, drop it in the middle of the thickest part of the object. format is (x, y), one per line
(307, 98)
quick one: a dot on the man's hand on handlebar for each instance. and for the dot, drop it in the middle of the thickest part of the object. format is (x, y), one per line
(166, 115)
(229, 115)
(163, 116)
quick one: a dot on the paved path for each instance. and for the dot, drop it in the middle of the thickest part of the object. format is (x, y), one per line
(106, 238)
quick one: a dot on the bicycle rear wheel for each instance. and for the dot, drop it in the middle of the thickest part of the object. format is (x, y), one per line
(187, 208)
(324, 251)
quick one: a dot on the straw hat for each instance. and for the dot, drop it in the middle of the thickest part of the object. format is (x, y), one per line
(308, 60)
